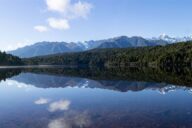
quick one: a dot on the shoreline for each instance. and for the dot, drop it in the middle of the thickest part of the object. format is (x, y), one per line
(33, 66)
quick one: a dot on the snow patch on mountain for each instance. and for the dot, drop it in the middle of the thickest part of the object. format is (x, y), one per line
(173, 39)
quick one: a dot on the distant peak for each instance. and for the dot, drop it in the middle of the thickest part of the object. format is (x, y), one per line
(123, 37)
(120, 37)
(162, 36)
(174, 39)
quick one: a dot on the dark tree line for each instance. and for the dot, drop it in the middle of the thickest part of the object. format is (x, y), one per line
(9, 60)
(179, 54)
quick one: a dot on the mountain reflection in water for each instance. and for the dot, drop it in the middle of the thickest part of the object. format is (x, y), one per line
(89, 98)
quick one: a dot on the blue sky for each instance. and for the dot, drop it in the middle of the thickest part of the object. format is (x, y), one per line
(25, 22)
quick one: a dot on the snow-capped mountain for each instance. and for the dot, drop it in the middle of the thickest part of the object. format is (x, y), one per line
(173, 39)
(47, 48)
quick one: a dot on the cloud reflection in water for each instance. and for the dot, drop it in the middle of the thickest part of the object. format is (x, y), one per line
(61, 105)
(71, 119)
(42, 101)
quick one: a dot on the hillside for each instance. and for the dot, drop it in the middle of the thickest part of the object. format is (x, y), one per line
(179, 54)
(7, 59)
(48, 48)
(124, 42)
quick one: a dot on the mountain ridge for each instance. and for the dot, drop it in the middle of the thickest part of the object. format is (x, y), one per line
(48, 48)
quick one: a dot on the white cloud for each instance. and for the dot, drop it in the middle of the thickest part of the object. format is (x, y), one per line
(42, 101)
(61, 24)
(41, 28)
(81, 9)
(58, 5)
(61, 105)
(68, 9)
(12, 45)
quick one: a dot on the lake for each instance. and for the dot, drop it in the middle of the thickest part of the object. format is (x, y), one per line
(61, 97)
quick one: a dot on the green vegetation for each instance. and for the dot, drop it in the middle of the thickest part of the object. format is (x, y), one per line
(9, 60)
(174, 55)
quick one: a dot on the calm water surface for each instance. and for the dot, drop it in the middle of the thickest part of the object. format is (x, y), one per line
(47, 99)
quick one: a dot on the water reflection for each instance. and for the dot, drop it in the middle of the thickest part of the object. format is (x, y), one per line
(41, 101)
(89, 98)
(61, 105)
(71, 119)
(57, 81)
(175, 76)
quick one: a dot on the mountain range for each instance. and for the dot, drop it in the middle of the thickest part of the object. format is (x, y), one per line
(47, 48)
(170, 39)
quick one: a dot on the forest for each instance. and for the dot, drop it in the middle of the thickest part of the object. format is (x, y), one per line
(9, 60)
(173, 55)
